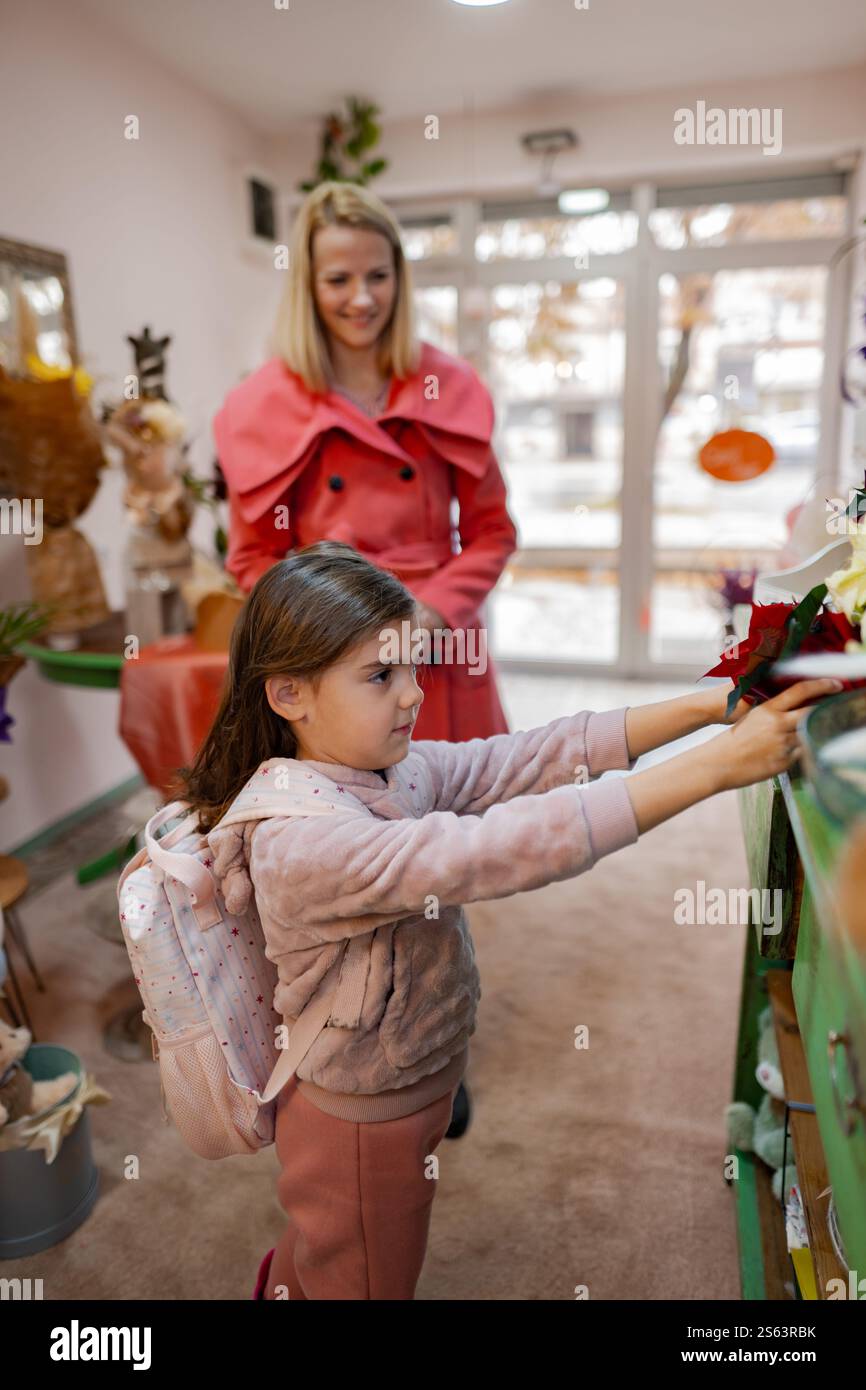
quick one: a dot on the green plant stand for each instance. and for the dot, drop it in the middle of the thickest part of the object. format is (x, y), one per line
(97, 666)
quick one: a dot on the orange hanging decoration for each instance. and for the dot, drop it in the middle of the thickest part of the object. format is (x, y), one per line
(735, 456)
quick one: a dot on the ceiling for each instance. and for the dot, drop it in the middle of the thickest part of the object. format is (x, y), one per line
(280, 67)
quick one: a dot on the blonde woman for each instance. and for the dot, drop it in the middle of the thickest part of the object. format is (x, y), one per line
(355, 431)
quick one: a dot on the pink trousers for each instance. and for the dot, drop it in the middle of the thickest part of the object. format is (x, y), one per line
(358, 1199)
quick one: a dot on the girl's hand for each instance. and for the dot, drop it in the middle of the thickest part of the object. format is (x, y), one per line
(765, 742)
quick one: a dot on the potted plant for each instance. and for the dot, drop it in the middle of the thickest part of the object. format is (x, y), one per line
(19, 622)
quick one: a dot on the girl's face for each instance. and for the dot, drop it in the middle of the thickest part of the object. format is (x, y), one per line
(362, 714)
(354, 283)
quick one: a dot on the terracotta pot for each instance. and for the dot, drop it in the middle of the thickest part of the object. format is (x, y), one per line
(10, 666)
(215, 618)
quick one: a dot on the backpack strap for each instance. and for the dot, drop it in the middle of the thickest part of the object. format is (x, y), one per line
(185, 867)
(340, 996)
(306, 1028)
(346, 1007)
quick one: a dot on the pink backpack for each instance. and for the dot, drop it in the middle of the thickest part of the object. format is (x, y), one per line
(207, 985)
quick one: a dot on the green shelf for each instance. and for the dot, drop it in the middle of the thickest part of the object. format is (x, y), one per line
(96, 664)
(100, 669)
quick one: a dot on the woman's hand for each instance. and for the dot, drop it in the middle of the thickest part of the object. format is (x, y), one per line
(765, 742)
(429, 618)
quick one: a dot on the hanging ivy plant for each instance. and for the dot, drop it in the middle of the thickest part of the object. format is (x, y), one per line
(345, 140)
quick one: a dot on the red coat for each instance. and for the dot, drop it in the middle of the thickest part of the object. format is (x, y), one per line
(385, 486)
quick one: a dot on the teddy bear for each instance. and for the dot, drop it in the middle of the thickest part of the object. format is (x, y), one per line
(762, 1131)
(20, 1095)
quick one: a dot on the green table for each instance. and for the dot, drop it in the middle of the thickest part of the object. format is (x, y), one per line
(815, 980)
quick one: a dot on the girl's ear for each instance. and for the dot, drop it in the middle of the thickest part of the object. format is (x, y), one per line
(287, 696)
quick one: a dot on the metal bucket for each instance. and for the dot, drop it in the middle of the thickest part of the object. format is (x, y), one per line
(41, 1203)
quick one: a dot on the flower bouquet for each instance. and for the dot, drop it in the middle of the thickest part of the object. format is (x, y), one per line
(831, 618)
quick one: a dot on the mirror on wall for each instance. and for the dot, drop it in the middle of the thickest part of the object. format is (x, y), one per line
(36, 316)
(37, 323)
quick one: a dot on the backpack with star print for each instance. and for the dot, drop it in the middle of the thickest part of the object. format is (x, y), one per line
(206, 983)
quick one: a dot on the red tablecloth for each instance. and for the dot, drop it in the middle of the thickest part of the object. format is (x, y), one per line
(168, 698)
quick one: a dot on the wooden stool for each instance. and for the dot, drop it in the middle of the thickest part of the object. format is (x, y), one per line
(14, 881)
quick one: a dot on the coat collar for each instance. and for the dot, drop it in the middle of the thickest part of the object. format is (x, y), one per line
(269, 426)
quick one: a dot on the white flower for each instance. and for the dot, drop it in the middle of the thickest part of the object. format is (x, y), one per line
(847, 586)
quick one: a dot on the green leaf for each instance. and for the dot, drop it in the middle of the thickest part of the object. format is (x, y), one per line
(734, 698)
(856, 508)
(801, 619)
(744, 685)
(798, 623)
(22, 621)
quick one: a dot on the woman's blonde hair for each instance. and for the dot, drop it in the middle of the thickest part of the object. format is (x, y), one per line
(298, 337)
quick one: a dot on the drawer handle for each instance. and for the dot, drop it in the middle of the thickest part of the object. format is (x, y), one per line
(844, 1109)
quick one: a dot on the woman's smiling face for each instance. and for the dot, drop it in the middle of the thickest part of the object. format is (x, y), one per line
(362, 713)
(354, 282)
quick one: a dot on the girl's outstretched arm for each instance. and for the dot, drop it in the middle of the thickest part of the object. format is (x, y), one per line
(469, 777)
(650, 726)
(340, 875)
(337, 876)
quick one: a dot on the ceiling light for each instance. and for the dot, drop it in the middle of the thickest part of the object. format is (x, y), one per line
(576, 200)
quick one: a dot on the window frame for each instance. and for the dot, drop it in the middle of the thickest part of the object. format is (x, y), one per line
(639, 269)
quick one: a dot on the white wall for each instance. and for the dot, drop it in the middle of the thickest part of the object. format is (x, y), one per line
(150, 230)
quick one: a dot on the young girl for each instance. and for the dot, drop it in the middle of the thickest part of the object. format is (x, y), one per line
(391, 838)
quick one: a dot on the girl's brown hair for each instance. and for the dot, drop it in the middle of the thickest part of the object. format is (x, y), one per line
(298, 337)
(301, 616)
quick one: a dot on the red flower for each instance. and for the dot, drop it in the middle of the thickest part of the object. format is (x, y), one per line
(768, 633)
(765, 640)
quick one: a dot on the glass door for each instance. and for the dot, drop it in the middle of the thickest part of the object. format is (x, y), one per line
(555, 365)
(740, 349)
